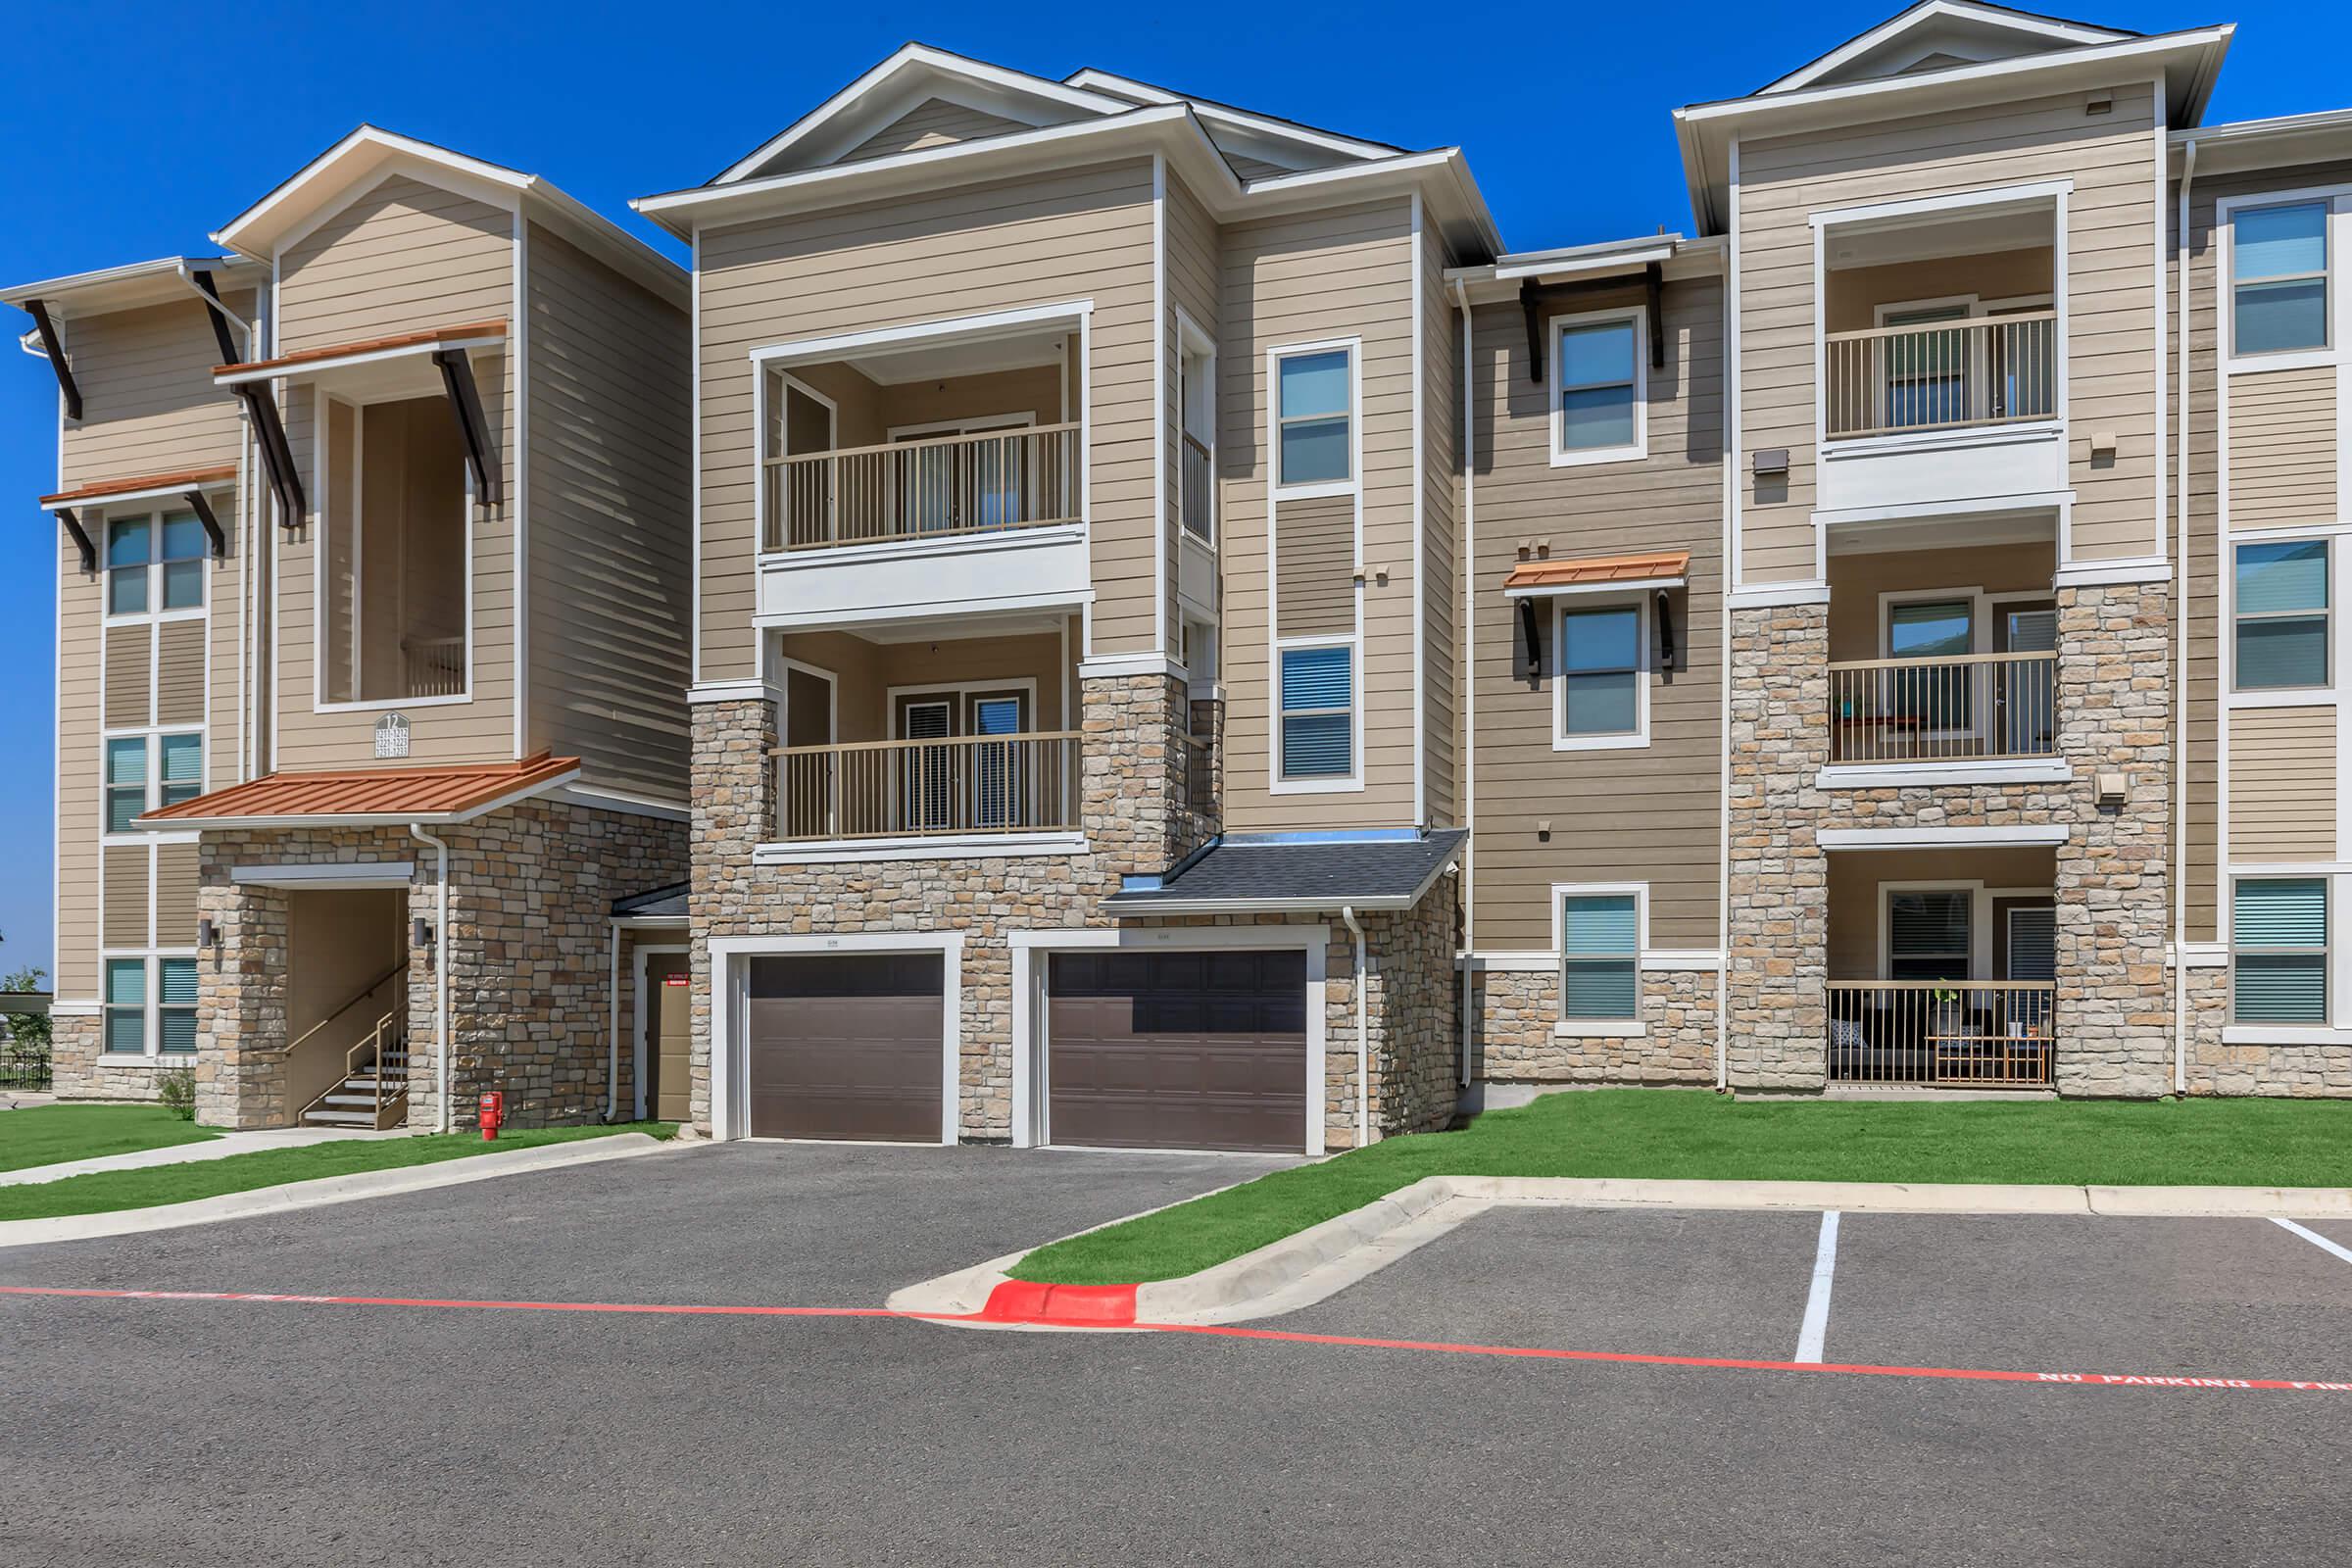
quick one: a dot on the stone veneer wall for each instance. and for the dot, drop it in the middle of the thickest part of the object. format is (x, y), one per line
(79, 1071)
(1137, 818)
(1511, 1040)
(2285, 1071)
(531, 891)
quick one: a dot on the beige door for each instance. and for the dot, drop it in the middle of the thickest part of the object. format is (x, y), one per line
(668, 986)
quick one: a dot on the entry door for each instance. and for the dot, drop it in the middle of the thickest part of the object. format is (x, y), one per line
(998, 788)
(927, 773)
(810, 786)
(664, 1015)
(956, 484)
(2028, 691)
(2029, 943)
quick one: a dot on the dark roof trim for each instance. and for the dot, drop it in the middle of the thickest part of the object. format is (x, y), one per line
(660, 904)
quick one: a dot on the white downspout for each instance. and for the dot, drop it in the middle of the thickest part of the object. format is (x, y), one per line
(1469, 568)
(1363, 1044)
(1723, 682)
(613, 1022)
(440, 849)
(2189, 171)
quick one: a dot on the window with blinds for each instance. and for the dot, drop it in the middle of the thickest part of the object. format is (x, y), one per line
(2279, 949)
(1928, 933)
(1600, 956)
(1318, 712)
(2280, 278)
(175, 1007)
(126, 1031)
(1600, 671)
(2281, 616)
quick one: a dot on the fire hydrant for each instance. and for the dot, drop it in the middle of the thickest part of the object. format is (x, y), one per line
(494, 1114)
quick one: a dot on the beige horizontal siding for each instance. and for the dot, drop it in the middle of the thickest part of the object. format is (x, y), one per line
(1314, 567)
(125, 887)
(933, 122)
(148, 403)
(2282, 457)
(80, 686)
(611, 522)
(1309, 278)
(176, 894)
(129, 675)
(403, 257)
(1076, 234)
(1441, 540)
(179, 674)
(2112, 289)
(2282, 784)
(1648, 814)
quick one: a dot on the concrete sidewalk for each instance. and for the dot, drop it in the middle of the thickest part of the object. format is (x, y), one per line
(221, 1148)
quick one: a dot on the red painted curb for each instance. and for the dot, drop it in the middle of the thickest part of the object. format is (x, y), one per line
(1093, 1306)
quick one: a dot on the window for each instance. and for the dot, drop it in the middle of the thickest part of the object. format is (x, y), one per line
(129, 543)
(175, 1007)
(2280, 278)
(125, 783)
(1598, 387)
(1928, 933)
(1939, 632)
(2278, 962)
(1318, 712)
(1600, 956)
(154, 563)
(2281, 626)
(394, 561)
(181, 774)
(1600, 672)
(1313, 413)
(183, 561)
(126, 1006)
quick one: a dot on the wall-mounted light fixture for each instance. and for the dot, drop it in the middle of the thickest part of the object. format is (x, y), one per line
(208, 935)
(421, 932)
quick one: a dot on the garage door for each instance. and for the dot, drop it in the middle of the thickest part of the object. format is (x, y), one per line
(1178, 1049)
(845, 1047)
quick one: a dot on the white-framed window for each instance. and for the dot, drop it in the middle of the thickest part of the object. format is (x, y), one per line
(1599, 377)
(1599, 931)
(1601, 663)
(2279, 949)
(1316, 740)
(1314, 416)
(127, 775)
(1931, 932)
(1196, 425)
(175, 1007)
(154, 562)
(2278, 278)
(2279, 636)
(125, 1022)
(143, 772)
(150, 1007)
(394, 567)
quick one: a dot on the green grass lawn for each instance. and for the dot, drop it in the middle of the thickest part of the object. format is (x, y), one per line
(105, 1192)
(1662, 1133)
(46, 1135)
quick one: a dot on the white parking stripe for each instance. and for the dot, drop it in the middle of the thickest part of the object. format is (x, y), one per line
(1817, 1302)
(2315, 1239)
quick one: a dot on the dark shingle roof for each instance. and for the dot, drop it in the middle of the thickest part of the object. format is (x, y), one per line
(662, 903)
(1369, 874)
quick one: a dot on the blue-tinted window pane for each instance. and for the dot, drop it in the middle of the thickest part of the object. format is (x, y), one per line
(177, 982)
(1602, 704)
(183, 585)
(127, 1029)
(1600, 639)
(1317, 678)
(2281, 913)
(1596, 419)
(122, 809)
(126, 591)
(2275, 317)
(1314, 452)
(183, 758)
(2281, 987)
(178, 1029)
(183, 537)
(1599, 924)
(1317, 746)
(1314, 383)
(2280, 241)
(1940, 630)
(126, 543)
(127, 982)
(2283, 576)
(1598, 989)
(2281, 651)
(1590, 355)
(126, 762)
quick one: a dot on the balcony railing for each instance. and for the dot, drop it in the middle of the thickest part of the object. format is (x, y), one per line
(432, 666)
(927, 787)
(1194, 493)
(1979, 1033)
(959, 485)
(1980, 708)
(1993, 369)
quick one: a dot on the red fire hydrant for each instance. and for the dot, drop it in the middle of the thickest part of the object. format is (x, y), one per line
(494, 1114)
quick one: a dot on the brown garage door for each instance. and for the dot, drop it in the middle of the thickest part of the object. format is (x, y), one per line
(846, 1047)
(1178, 1049)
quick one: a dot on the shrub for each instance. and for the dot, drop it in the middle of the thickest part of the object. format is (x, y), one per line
(176, 1089)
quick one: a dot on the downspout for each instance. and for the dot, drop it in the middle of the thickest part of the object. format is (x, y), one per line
(1723, 736)
(1363, 1050)
(2189, 171)
(613, 1022)
(1469, 558)
(440, 849)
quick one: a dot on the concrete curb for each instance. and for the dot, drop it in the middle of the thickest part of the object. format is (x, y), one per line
(1313, 1264)
(326, 1189)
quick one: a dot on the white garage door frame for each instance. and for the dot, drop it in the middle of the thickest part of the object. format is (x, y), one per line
(1032, 1126)
(730, 1071)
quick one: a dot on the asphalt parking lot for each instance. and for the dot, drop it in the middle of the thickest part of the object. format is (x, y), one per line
(187, 1432)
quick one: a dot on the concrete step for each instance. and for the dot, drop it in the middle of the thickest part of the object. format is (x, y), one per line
(339, 1118)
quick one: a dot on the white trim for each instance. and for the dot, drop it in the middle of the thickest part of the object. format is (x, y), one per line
(1273, 129)
(1031, 1051)
(1420, 414)
(2037, 190)
(1110, 667)
(311, 369)
(742, 689)
(1645, 670)
(844, 345)
(639, 1017)
(2041, 770)
(1564, 1027)
(937, 846)
(1910, 20)
(2112, 571)
(1573, 590)
(1310, 489)
(2021, 837)
(1317, 784)
(2197, 956)
(693, 534)
(123, 498)
(1779, 595)
(729, 1072)
(2335, 203)
(516, 509)
(1161, 368)
(1638, 449)
(2287, 1034)
(340, 874)
(626, 805)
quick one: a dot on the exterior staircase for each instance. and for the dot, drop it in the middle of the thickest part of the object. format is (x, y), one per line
(374, 1095)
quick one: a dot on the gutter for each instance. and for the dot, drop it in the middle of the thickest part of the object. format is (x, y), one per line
(2189, 171)
(440, 849)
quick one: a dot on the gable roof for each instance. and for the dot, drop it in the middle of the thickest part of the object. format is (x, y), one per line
(360, 159)
(1934, 31)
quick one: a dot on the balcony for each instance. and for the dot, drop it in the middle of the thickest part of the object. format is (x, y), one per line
(932, 488)
(1896, 380)
(1974, 1034)
(960, 786)
(1980, 708)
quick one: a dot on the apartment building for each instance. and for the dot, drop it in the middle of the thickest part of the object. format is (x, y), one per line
(1189, 641)
(372, 645)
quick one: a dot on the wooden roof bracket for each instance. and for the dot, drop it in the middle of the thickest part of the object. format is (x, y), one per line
(82, 538)
(212, 524)
(57, 357)
(1529, 303)
(1654, 280)
(278, 456)
(202, 277)
(456, 376)
(1531, 628)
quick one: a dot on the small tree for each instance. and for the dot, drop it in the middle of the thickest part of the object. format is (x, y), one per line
(30, 1030)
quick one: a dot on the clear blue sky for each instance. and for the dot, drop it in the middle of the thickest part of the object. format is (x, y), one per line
(194, 112)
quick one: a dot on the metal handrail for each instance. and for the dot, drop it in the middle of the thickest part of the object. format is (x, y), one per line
(926, 443)
(943, 739)
(381, 981)
(374, 1045)
(1956, 708)
(1961, 373)
(1958, 323)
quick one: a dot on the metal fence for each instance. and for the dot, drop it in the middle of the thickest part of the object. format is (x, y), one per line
(1985, 1034)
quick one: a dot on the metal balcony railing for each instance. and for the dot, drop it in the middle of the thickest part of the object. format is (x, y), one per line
(1983, 1034)
(947, 485)
(1948, 375)
(1976, 708)
(926, 788)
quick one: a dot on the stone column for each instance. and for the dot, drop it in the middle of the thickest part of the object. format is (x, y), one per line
(241, 999)
(1780, 891)
(1131, 772)
(734, 804)
(2114, 894)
